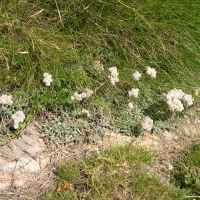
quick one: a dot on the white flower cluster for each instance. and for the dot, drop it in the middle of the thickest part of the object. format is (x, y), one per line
(133, 92)
(18, 117)
(114, 75)
(81, 96)
(130, 105)
(86, 112)
(47, 79)
(197, 91)
(99, 65)
(137, 75)
(188, 98)
(147, 123)
(173, 97)
(151, 72)
(6, 100)
(171, 167)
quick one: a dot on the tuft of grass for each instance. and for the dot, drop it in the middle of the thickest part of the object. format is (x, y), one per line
(118, 173)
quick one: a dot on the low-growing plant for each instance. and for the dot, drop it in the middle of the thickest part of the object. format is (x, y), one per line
(188, 169)
(66, 127)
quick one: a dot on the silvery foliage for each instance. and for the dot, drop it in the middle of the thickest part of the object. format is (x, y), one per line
(65, 129)
(166, 125)
(129, 122)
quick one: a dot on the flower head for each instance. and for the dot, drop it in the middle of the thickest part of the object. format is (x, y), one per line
(188, 98)
(6, 100)
(173, 99)
(171, 167)
(137, 76)
(18, 117)
(16, 125)
(197, 91)
(84, 95)
(147, 123)
(133, 92)
(47, 79)
(77, 96)
(130, 105)
(151, 72)
(81, 96)
(114, 75)
(86, 112)
(88, 92)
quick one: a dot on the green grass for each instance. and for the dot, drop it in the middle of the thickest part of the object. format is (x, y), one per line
(188, 169)
(66, 38)
(118, 173)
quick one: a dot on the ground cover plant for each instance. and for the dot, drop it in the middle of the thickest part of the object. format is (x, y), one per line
(187, 170)
(119, 173)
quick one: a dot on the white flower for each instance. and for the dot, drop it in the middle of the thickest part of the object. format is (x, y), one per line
(173, 97)
(88, 92)
(72, 98)
(175, 94)
(175, 104)
(18, 117)
(133, 92)
(171, 167)
(6, 100)
(114, 80)
(47, 79)
(197, 91)
(137, 76)
(147, 123)
(130, 105)
(114, 75)
(16, 125)
(188, 98)
(79, 97)
(86, 112)
(84, 95)
(151, 72)
(113, 69)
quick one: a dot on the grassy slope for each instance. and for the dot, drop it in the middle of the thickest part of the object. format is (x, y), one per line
(130, 36)
(65, 38)
(68, 36)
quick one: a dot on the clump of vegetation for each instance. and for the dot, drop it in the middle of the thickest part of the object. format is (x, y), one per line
(75, 127)
(188, 170)
(119, 173)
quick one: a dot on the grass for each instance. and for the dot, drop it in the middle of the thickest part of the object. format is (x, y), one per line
(118, 173)
(188, 168)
